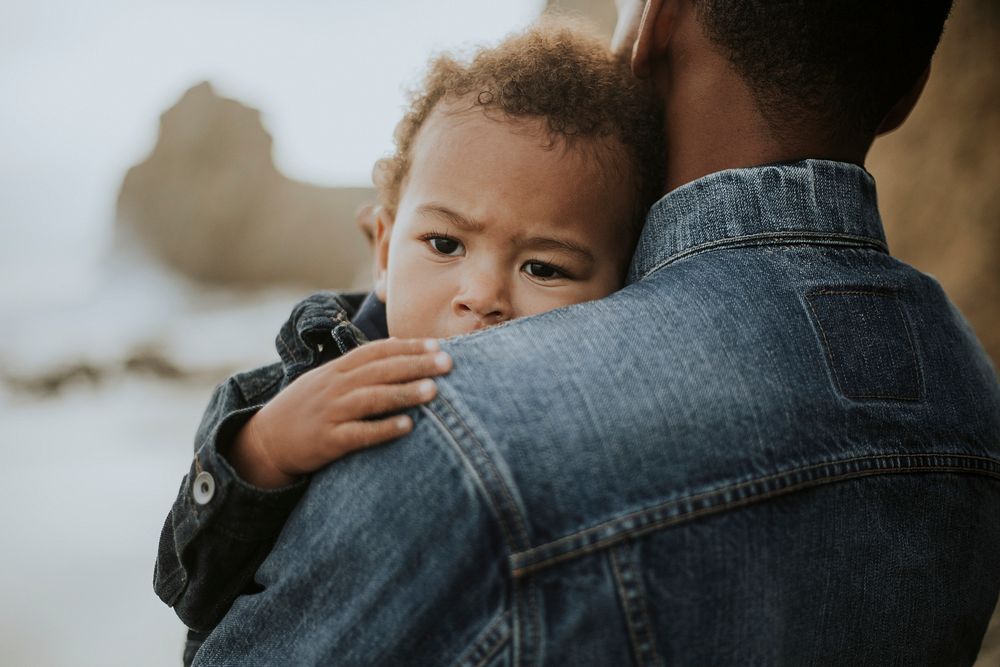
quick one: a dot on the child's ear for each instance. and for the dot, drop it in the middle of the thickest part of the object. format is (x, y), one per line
(365, 219)
(383, 230)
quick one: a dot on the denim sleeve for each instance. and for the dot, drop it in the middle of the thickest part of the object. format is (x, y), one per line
(216, 536)
(220, 529)
(393, 557)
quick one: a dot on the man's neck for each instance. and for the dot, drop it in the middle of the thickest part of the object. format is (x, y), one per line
(713, 122)
(700, 151)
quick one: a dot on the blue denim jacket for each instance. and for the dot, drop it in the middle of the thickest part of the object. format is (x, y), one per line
(776, 446)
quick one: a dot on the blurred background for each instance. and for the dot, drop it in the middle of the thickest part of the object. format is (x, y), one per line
(174, 175)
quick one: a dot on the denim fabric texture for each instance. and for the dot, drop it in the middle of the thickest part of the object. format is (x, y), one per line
(777, 445)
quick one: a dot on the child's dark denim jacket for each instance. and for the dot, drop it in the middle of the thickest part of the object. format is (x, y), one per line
(201, 579)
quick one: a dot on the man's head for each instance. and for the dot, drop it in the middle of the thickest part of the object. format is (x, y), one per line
(830, 73)
(519, 184)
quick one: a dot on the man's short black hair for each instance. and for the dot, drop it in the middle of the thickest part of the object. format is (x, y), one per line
(834, 65)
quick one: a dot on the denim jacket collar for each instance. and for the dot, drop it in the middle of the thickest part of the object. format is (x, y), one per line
(319, 329)
(813, 201)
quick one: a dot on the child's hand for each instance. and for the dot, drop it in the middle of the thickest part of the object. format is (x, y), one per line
(320, 416)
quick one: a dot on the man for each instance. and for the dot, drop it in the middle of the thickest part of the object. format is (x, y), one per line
(777, 445)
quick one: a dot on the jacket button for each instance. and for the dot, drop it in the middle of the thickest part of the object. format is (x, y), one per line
(203, 488)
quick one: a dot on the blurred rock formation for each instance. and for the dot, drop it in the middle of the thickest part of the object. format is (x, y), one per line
(211, 204)
(939, 175)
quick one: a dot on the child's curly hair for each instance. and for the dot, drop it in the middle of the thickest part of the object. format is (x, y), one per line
(554, 71)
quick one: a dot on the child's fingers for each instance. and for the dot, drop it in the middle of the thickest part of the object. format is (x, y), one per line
(380, 399)
(381, 349)
(398, 369)
(357, 434)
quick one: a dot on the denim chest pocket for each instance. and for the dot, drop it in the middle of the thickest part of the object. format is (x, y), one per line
(868, 343)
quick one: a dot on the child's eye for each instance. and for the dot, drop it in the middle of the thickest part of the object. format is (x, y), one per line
(444, 245)
(543, 271)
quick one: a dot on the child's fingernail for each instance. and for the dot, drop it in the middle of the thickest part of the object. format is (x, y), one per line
(432, 345)
(402, 422)
(442, 360)
(426, 387)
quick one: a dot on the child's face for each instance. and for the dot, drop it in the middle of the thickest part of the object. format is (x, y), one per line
(496, 222)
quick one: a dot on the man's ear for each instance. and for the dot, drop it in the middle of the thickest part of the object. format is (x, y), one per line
(655, 29)
(383, 230)
(900, 111)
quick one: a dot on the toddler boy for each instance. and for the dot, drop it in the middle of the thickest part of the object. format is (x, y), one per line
(519, 184)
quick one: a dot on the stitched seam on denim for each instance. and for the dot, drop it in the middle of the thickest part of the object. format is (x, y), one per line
(647, 624)
(534, 559)
(696, 514)
(635, 610)
(829, 350)
(177, 573)
(771, 238)
(515, 515)
(480, 483)
(707, 511)
(526, 642)
(623, 598)
(336, 339)
(991, 466)
(494, 650)
(489, 656)
(489, 641)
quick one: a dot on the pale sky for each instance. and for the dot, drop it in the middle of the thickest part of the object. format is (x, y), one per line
(83, 83)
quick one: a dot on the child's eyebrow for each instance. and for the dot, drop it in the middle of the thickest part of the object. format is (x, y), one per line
(451, 216)
(565, 245)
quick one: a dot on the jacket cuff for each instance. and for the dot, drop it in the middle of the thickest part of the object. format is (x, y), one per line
(216, 496)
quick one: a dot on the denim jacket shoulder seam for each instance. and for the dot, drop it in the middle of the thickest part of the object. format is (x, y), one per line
(733, 496)
(488, 477)
(771, 238)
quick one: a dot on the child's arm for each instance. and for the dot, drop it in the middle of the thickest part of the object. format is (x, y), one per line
(327, 412)
(221, 525)
(216, 536)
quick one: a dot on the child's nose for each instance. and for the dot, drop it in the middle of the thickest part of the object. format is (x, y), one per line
(483, 297)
